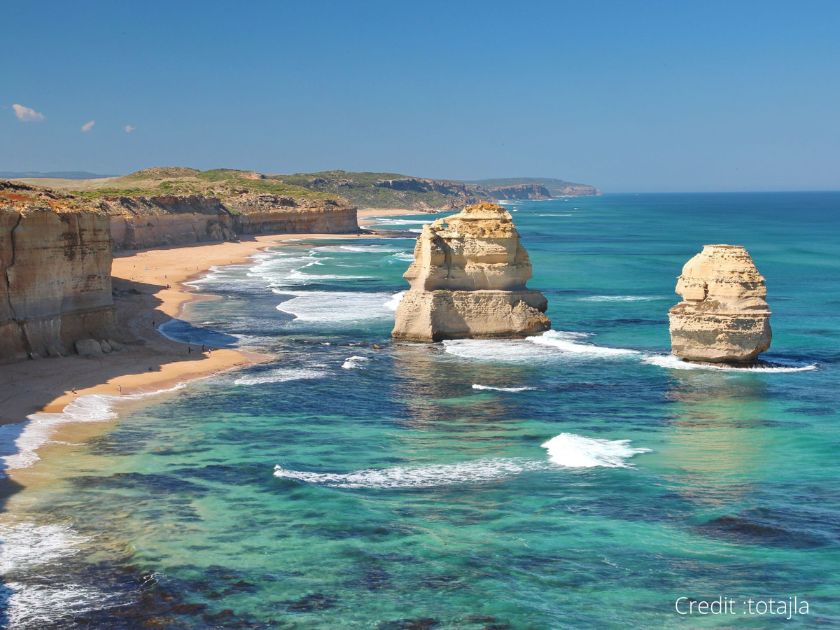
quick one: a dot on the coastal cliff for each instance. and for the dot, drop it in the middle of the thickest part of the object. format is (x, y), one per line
(724, 316)
(165, 206)
(392, 190)
(468, 280)
(55, 273)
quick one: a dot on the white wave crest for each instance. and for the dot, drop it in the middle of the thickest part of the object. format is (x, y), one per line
(575, 451)
(39, 605)
(502, 389)
(404, 221)
(25, 548)
(359, 249)
(509, 350)
(566, 450)
(570, 342)
(777, 366)
(26, 545)
(551, 345)
(280, 375)
(404, 257)
(431, 476)
(618, 298)
(354, 362)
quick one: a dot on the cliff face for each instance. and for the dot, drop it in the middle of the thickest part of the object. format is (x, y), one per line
(724, 316)
(139, 222)
(520, 191)
(55, 273)
(468, 280)
(267, 214)
(142, 222)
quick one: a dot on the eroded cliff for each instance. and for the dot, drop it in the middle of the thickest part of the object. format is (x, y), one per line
(55, 273)
(468, 280)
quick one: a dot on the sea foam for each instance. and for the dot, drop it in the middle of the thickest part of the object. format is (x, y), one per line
(775, 366)
(431, 476)
(336, 306)
(619, 298)
(280, 375)
(394, 301)
(566, 450)
(551, 345)
(501, 389)
(20, 441)
(570, 342)
(47, 600)
(355, 362)
(575, 451)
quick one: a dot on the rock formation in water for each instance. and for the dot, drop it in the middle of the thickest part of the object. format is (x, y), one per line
(55, 273)
(724, 317)
(468, 280)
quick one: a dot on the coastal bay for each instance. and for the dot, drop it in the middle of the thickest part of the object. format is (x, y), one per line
(352, 480)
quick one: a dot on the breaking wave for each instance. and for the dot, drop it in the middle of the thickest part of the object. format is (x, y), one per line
(566, 450)
(575, 451)
(354, 362)
(336, 306)
(570, 342)
(502, 389)
(550, 345)
(21, 440)
(280, 375)
(619, 298)
(776, 366)
(431, 476)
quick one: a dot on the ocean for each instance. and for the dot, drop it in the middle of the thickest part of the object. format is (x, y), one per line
(582, 478)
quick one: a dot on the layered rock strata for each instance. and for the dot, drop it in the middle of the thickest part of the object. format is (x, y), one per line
(724, 316)
(468, 280)
(162, 220)
(55, 273)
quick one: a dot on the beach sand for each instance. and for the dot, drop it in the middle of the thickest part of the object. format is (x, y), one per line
(149, 291)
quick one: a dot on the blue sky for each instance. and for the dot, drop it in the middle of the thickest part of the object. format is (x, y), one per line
(630, 96)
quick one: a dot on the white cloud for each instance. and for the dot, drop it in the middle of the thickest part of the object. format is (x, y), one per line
(88, 126)
(27, 114)
(129, 128)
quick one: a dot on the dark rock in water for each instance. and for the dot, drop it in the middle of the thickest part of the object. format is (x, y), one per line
(311, 603)
(421, 623)
(766, 527)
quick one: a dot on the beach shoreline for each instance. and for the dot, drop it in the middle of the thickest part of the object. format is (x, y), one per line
(151, 288)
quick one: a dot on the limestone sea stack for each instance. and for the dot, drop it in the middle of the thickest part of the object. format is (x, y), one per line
(724, 317)
(468, 280)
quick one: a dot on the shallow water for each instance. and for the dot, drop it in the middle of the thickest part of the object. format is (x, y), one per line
(581, 478)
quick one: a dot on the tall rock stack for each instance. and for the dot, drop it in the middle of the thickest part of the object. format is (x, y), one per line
(468, 280)
(724, 316)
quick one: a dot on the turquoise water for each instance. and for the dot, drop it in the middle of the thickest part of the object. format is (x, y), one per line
(408, 498)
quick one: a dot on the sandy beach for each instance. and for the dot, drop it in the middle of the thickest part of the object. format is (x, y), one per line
(149, 290)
